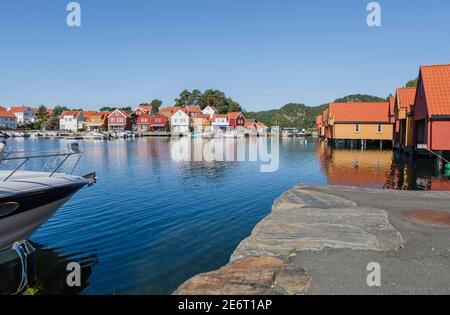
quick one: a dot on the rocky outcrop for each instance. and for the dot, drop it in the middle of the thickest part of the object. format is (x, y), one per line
(249, 276)
(318, 227)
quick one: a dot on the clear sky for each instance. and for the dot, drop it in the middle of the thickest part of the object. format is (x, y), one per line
(262, 53)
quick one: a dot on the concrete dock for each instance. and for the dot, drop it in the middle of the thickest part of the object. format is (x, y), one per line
(322, 239)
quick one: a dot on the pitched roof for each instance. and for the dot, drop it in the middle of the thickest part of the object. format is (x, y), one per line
(92, 113)
(213, 108)
(74, 113)
(193, 109)
(124, 113)
(220, 116)
(163, 119)
(19, 109)
(6, 114)
(204, 116)
(436, 82)
(360, 112)
(234, 115)
(406, 98)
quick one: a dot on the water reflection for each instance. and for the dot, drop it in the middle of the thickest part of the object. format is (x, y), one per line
(379, 169)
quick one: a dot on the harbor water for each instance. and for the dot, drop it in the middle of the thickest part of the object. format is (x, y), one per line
(152, 222)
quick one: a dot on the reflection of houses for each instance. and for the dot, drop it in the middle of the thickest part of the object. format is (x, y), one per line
(432, 108)
(404, 104)
(7, 120)
(119, 120)
(200, 122)
(220, 121)
(71, 120)
(361, 121)
(96, 121)
(369, 168)
(180, 122)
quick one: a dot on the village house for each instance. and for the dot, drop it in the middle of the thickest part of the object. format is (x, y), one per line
(119, 120)
(236, 120)
(319, 126)
(404, 104)
(180, 122)
(140, 110)
(71, 120)
(147, 122)
(361, 121)
(254, 127)
(169, 111)
(143, 122)
(210, 111)
(96, 121)
(432, 108)
(191, 110)
(24, 114)
(201, 122)
(220, 122)
(8, 120)
(159, 123)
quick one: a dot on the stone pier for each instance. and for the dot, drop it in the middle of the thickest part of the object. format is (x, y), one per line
(320, 240)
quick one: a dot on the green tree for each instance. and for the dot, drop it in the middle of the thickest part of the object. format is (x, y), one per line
(184, 99)
(107, 109)
(156, 104)
(412, 83)
(58, 110)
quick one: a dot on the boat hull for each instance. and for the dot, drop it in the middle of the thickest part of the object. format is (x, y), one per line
(33, 211)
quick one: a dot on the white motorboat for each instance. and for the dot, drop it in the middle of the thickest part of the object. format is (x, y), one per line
(28, 199)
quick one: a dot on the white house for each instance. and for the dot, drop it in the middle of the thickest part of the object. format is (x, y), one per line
(71, 120)
(180, 122)
(24, 114)
(220, 121)
(8, 120)
(211, 111)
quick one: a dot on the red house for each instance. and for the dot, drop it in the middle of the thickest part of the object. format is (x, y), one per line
(119, 120)
(432, 108)
(159, 122)
(236, 120)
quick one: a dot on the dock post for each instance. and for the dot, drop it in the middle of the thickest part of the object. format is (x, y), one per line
(381, 144)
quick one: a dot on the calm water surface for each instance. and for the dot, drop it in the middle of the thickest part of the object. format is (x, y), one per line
(151, 223)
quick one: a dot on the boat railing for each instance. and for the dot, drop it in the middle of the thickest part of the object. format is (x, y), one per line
(61, 158)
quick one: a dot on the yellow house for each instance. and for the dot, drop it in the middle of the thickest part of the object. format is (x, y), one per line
(361, 121)
(404, 105)
(201, 122)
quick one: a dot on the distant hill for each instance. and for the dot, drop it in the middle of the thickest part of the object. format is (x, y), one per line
(297, 115)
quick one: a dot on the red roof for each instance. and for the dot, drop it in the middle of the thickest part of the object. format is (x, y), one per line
(6, 114)
(221, 116)
(124, 113)
(19, 109)
(193, 110)
(74, 113)
(436, 82)
(377, 112)
(234, 115)
(204, 116)
(406, 98)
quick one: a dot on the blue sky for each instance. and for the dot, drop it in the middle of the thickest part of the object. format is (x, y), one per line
(262, 53)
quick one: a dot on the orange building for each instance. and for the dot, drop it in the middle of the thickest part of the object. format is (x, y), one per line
(432, 108)
(404, 104)
(361, 121)
(96, 121)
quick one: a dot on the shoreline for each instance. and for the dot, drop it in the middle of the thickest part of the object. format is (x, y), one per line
(320, 240)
